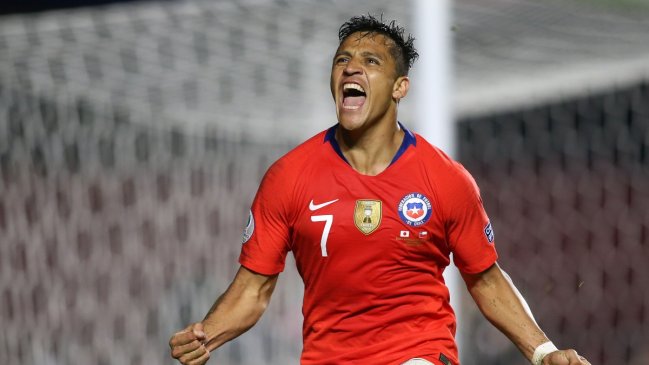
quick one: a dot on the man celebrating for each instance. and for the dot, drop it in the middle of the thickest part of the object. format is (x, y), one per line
(372, 213)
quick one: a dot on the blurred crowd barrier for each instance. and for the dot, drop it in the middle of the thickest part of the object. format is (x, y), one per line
(567, 187)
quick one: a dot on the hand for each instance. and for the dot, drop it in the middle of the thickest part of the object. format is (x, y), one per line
(187, 346)
(565, 357)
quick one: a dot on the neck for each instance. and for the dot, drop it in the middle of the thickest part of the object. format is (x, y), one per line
(371, 150)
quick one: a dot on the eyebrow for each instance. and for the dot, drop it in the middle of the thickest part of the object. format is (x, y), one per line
(364, 54)
(342, 53)
(371, 54)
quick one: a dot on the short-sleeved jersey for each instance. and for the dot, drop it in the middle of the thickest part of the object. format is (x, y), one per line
(371, 250)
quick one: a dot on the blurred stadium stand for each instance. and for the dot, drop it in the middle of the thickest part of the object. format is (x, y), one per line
(568, 186)
(133, 137)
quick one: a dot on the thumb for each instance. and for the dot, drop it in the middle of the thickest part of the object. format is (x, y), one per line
(199, 332)
(556, 358)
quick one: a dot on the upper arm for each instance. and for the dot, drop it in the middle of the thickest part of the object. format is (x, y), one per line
(489, 277)
(469, 233)
(251, 283)
(493, 278)
(267, 235)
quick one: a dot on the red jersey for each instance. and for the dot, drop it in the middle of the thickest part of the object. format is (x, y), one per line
(370, 249)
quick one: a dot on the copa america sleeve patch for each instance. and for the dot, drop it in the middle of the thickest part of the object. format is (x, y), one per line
(250, 228)
(489, 232)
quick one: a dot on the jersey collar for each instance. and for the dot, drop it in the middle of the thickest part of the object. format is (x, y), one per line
(408, 139)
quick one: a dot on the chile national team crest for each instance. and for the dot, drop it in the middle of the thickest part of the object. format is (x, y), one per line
(415, 209)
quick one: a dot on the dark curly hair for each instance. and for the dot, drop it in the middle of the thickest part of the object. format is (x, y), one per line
(404, 51)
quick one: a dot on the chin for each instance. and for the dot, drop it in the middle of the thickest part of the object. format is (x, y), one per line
(351, 124)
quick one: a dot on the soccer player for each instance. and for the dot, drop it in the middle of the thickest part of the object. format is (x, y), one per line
(372, 213)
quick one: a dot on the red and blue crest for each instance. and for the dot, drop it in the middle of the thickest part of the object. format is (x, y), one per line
(415, 209)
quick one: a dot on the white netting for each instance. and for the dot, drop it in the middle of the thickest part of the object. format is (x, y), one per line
(132, 141)
(252, 68)
(513, 53)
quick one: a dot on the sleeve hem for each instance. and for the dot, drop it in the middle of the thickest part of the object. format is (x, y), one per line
(480, 266)
(259, 268)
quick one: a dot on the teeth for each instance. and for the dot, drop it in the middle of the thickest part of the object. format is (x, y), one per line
(350, 85)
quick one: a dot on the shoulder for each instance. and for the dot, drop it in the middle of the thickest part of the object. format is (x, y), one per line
(453, 184)
(442, 166)
(278, 187)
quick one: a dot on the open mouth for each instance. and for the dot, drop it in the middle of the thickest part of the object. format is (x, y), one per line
(353, 96)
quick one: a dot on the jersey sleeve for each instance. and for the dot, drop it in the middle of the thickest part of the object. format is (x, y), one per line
(469, 233)
(266, 239)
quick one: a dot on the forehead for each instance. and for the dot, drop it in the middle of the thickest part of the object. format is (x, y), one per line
(367, 40)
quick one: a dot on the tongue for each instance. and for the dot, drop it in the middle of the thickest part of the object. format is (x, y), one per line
(353, 100)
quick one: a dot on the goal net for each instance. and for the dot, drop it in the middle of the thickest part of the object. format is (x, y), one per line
(132, 140)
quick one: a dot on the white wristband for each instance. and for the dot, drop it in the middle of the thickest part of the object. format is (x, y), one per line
(542, 351)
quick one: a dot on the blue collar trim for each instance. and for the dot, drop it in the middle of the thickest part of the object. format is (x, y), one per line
(408, 140)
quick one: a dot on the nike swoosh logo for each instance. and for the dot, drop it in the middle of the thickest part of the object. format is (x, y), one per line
(313, 207)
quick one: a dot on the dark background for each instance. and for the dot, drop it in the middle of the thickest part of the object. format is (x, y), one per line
(30, 6)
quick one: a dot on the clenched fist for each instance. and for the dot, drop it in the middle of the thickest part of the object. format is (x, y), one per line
(187, 346)
(565, 357)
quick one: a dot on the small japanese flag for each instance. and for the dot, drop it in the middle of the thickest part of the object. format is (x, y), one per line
(404, 234)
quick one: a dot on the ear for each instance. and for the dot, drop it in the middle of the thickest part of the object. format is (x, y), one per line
(400, 88)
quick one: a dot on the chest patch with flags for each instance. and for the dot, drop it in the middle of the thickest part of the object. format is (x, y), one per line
(415, 209)
(367, 215)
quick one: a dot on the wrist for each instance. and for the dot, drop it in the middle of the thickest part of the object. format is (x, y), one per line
(542, 351)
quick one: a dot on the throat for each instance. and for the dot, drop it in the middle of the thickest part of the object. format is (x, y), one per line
(369, 155)
(368, 168)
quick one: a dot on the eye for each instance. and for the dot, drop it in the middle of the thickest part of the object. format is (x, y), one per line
(373, 61)
(342, 59)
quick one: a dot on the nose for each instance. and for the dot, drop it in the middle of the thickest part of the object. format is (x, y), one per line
(352, 67)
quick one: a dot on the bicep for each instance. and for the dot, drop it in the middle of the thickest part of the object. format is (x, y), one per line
(484, 279)
(252, 283)
(469, 234)
(267, 238)
(490, 282)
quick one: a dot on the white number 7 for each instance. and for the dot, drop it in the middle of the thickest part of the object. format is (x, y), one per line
(328, 219)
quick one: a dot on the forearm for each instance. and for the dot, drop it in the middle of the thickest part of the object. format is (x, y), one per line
(502, 304)
(238, 309)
